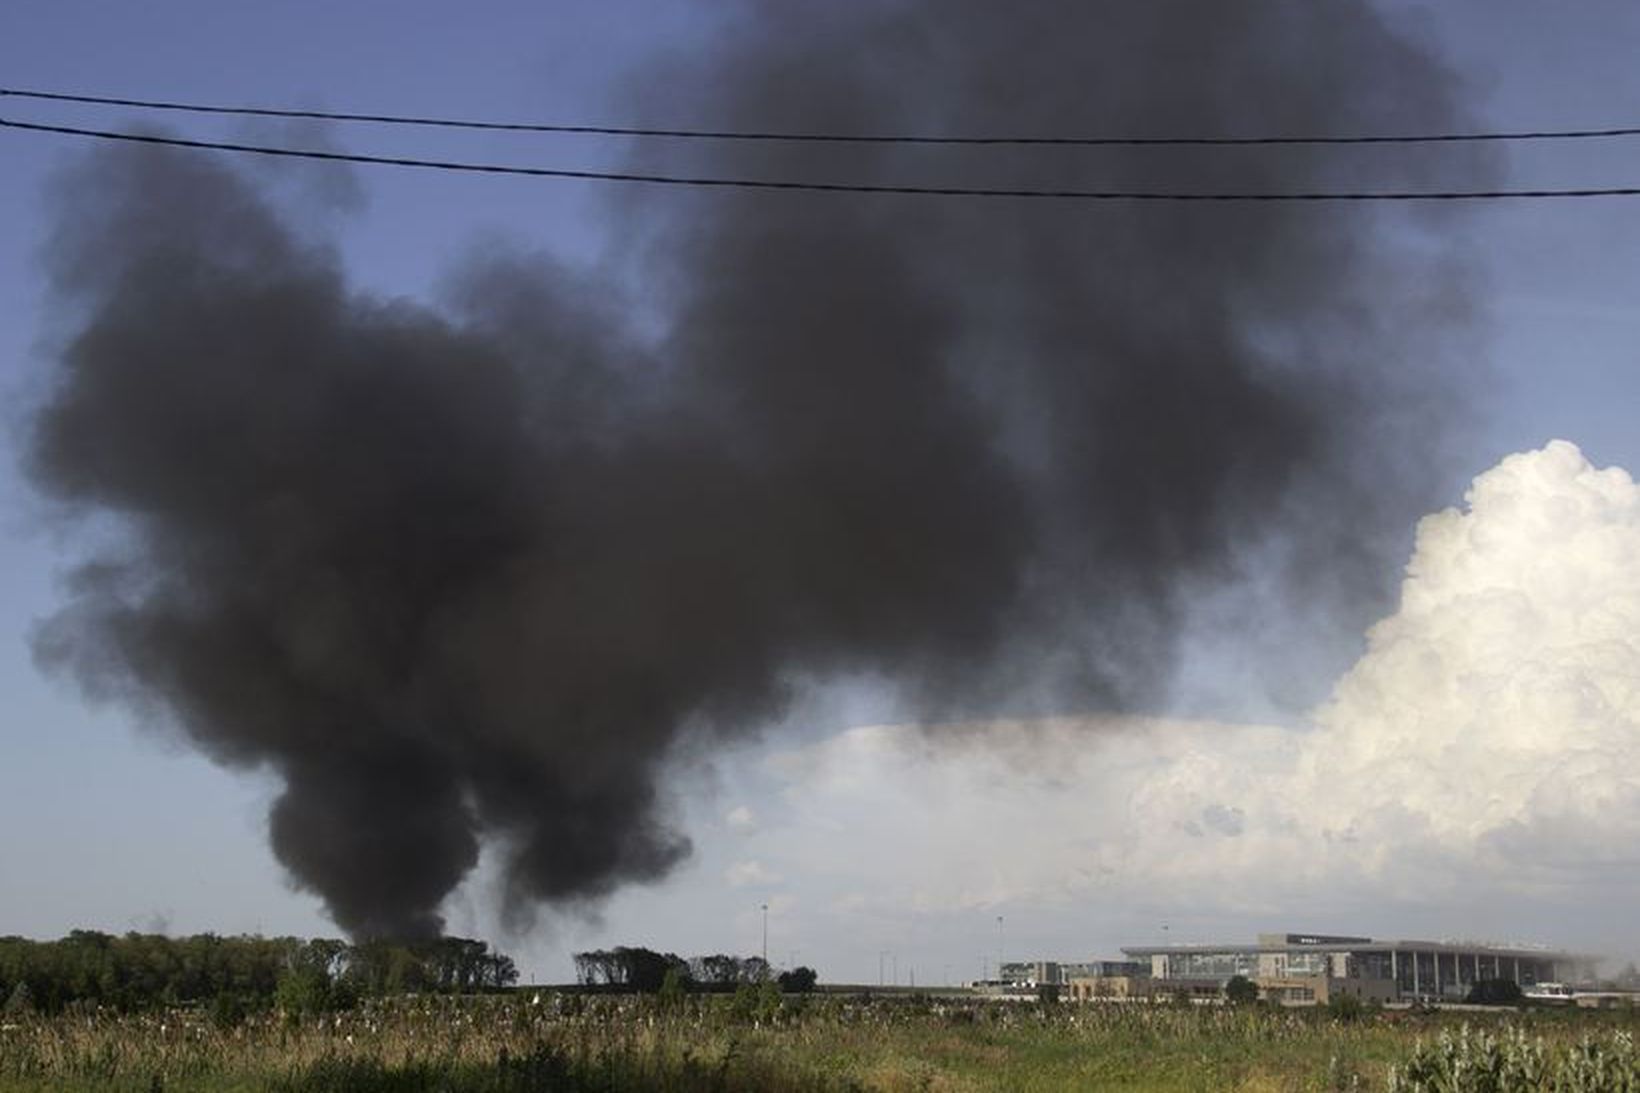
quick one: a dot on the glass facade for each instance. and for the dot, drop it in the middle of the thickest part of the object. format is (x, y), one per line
(1309, 964)
(1375, 965)
(1430, 973)
(1211, 965)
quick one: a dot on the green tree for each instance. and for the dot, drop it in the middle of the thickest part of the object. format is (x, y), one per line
(499, 972)
(1240, 990)
(302, 992)
(718, 971)
(800, 980)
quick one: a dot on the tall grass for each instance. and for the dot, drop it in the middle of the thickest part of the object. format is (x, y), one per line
(522, 1043)
(1511, 1061)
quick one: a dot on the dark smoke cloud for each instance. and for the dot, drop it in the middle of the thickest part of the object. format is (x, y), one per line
(475, 572)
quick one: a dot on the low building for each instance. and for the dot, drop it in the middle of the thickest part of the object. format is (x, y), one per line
(1116, 988)
(1316, 967)
(1318, 990)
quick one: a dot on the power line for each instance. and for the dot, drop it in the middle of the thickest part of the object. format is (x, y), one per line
(828, 138)
(828, 187)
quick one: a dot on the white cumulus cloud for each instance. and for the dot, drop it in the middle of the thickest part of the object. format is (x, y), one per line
(1495, 719)
(1486, 746)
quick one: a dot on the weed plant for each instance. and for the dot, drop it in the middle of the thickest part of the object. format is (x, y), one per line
(1511, 1061)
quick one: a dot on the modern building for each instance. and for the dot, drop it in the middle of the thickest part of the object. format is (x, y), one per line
(1087, 978)
(1031, 973)
(1315, 967)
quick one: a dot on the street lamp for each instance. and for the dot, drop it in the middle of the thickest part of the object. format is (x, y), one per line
(765, 936)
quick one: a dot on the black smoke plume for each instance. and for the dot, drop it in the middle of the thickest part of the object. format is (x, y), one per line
(474, 571)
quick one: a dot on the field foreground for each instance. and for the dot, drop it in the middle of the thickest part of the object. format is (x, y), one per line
(522, 1043)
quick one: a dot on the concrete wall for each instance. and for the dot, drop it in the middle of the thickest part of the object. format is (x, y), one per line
(1321, 989)
(1092, 988)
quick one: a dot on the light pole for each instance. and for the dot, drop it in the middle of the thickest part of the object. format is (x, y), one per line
(999, 947)
(882, 955)
(765, 937)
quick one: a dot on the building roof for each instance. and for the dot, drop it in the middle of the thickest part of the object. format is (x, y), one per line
(1314, 943)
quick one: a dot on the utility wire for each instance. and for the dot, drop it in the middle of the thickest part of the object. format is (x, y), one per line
(828, 187)
(827, 138)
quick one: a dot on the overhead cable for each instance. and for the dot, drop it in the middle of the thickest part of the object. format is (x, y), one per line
(829, 138)
(828, 187)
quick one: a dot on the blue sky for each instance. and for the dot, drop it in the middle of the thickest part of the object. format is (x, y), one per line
(109, 824)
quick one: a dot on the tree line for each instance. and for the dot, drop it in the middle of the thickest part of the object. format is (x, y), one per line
(138, 971)
(637, 969)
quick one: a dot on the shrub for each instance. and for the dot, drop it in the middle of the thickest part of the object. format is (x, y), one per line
(743, 1006)
(227, 1010)
(1240, 990)
(302, 992)
(1345, 1007)
(768, 1001)
(673, 989)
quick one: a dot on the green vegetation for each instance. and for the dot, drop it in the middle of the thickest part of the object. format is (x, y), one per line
(234, 975)
(1510, 1061)
(758, 1039)
(625, 968)
(800, 980)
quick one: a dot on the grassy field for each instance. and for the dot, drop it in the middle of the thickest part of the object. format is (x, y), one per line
(523, 1043)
